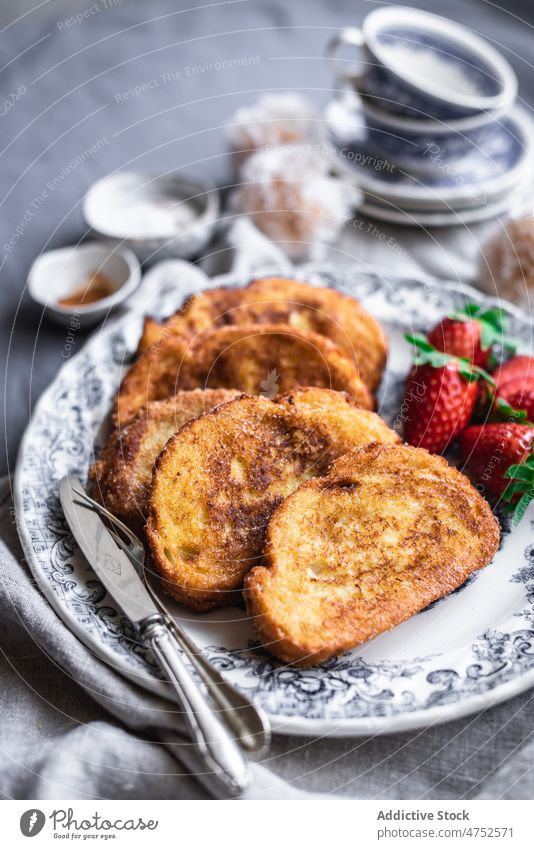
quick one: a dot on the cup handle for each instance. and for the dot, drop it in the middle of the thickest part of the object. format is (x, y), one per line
(349, 37)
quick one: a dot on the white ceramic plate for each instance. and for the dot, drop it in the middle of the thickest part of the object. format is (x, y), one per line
(463, 654)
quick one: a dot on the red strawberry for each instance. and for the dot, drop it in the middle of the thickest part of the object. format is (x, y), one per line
(438, 405)
(460, 338)
(471, 334)
(521, 366)
(489, 450)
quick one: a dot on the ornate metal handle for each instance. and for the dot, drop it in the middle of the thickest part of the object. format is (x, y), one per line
(247, 721)
(218, 748)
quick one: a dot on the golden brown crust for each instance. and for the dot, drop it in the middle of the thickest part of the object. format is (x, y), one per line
(254, 359)
(327, 311)
(156, 374)
(350, 555)
(219, 479)
(270, 358)
(121, 476)
(275, 300)
(151, 335)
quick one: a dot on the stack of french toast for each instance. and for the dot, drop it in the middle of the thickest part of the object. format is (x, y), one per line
(246, 450)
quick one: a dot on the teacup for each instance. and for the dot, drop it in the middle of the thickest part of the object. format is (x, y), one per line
(424, 66)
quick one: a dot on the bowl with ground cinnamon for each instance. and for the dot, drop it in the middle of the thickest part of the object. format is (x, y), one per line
(87, 281)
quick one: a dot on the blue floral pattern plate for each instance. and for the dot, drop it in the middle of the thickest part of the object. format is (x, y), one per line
(462, 654)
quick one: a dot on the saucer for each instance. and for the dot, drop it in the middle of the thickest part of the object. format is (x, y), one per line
(392, 213)
(481, 179)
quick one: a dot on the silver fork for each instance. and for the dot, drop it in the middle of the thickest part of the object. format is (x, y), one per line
(248, 722)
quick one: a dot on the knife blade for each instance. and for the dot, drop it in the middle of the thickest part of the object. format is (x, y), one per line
(112, 565)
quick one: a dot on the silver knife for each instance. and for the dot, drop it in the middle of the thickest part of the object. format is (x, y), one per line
(218, 748)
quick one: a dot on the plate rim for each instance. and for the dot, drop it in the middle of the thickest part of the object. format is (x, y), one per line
(454, 218)
(284, 725)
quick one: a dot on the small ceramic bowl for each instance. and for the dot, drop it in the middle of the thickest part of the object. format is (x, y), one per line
(157, 216)
(424, 66)
(58, 273)
(421, 145)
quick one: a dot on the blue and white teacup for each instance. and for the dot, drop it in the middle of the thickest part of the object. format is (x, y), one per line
(424, 66)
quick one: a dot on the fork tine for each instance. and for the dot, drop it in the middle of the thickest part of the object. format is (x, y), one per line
(138, 566)
(103, 511)
(138, 562)
(96, 505)
(97, 508)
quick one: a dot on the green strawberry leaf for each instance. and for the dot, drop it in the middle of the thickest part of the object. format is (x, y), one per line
(494, 317)
(522, 505)
(466, 370)
(523, 482)
(467, 313)
(492, 326)
(507, 412)
(420, 341)
(513, 488)
(487, 336)
(520, 472)
(425, 353)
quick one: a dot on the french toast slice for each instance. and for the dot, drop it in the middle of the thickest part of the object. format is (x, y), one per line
(350, 555)
(277, 300)
(327, 311)
(274, 358)
(122, 474)
(158, 373)
(250, 358)
(153, 334)
(219, 479)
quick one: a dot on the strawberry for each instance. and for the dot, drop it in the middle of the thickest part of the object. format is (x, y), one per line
(441, 393)
(438, 405)
(519, 394)
(461, 338)
(490, 451)
(471, 334)
(521, 366)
